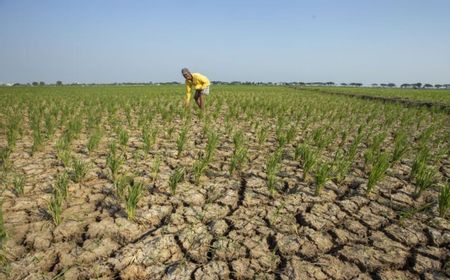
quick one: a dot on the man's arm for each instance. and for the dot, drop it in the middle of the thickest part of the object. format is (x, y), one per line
(188, 93)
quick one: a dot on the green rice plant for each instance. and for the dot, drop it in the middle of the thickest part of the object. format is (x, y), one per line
(373, 152)
(19, 184)
(50, 125)
(175, 178)
(94, 140)
(55, 207)
(135, 190)
(121, 186)
(238, 139)
(443, 200)
(11, 136)
(290, 134)
(425, 178)
(181, 140)
(262, 134)
(155, 167)
(37, 141)
(114, 162)
(123, 137)
(170, 131)
(199, 168)
(65, 157)
(308, 157)
(149, 139)
(421, 159)
(400, 146)
(322, 176)
(62, 184)
(237, 160)
(272, 167)
(3, 234)
(80, 169)
(211, 145)
(379, 168)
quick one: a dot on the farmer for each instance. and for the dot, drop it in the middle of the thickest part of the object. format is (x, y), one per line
(201, 85)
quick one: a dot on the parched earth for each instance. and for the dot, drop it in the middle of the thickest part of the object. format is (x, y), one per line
(224, 228)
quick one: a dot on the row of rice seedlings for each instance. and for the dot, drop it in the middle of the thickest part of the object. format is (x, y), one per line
(343, 160)
(261, 135)
(201, 165)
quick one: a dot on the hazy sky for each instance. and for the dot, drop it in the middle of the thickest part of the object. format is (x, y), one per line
(317, 40)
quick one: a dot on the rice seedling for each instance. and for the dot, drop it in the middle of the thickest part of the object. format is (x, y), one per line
(123, 137)
(237, 160)
(400, 146)
(175, 178)
(3, 234)
(80, 169)
(373, 152)
(120, 186)
(322, 176)
(55, 207)
(149, 139)
(308, 157)
(4, 266)
(211, 145)
(290, 134)
(50, 125)
(114, 162)
(37, 141)
(238, 139)
(272, 167)
(261, 135)
(421, 159)
(425, 178)
(199, 168)
(19, 184)
(65, 157)
(443, 200)
(379, 168)
(94, 140)
(181, 140)
(155, 167)
(135, 190)
(62, 183)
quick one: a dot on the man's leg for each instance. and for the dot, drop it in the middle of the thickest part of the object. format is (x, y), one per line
(197, 98)
(202, 101)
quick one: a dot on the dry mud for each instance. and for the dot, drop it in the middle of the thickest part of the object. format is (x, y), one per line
(224, 228)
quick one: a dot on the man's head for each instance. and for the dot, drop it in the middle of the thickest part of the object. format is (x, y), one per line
(186, 74)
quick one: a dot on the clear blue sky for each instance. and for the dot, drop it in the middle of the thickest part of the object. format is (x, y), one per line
(317, 40)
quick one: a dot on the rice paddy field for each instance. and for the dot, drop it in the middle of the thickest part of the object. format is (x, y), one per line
(116, 182)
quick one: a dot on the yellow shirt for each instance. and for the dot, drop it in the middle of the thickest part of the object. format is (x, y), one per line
(198, 82)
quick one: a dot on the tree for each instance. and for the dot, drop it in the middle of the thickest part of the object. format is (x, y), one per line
(59, 83)
(343, 84)
(417, 85)
(438, 86)
(427, 86)
(41, 83)
(35, 84)
(374, 85)
(391, 85)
